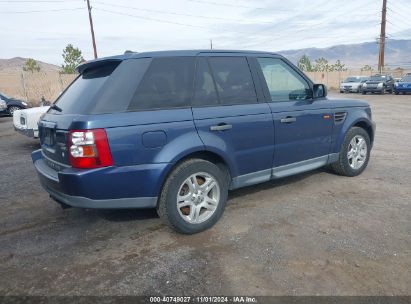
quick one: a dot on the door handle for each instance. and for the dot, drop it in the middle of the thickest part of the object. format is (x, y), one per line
(288, 119)
(221, 127)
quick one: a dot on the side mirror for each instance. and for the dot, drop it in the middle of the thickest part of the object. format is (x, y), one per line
(319, 91)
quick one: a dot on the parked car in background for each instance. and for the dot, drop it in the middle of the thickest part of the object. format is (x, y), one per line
(352, 84)
(403, 86)
(12, 104)
(378, 84)
(26, 121)
(3, 106)
(187, 126)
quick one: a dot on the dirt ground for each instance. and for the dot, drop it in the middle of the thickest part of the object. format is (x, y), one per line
(311, 234)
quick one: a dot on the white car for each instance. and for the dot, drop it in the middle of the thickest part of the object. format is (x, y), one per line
(25, 121)
(353, 84)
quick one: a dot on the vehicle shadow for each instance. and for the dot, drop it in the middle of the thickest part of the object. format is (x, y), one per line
(274, 183)
(127, 215)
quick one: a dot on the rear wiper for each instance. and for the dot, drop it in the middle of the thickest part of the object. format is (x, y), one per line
(56, 107)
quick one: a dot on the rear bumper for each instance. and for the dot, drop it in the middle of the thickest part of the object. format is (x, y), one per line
(103, 188)
(402, 90)
(27, 132)
(373, 90)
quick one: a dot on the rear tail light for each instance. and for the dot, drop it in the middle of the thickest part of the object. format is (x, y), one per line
(89, 149)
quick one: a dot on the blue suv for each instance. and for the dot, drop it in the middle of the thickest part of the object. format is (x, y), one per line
(177, 130)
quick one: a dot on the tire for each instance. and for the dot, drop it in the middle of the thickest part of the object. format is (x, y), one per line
(342, 92)
(11, 110)
(396, 93)
(343, 166)
(185, 219)
(363, 93)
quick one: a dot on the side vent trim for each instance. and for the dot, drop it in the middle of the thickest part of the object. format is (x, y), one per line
(339, 117)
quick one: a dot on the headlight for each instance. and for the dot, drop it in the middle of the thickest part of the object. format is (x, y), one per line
(364, 85)
(380, 85)
(24, 103)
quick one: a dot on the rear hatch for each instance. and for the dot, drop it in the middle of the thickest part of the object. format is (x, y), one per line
(103, 86)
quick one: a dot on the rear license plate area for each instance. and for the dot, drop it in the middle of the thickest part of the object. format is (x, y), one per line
(47, 136)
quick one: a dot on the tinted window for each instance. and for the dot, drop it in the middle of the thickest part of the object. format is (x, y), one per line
(205, 91)
(283, 82)
(352, 79)
(78, 97)
(105, 89)
(378, 78)
(167, 83)
(233, 80)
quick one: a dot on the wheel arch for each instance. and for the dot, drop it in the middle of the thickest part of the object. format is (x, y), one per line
(354, 119)
(222, 162)
(367, 126)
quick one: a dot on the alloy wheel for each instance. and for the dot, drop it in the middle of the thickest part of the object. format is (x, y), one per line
(198, 198)
(357, 152)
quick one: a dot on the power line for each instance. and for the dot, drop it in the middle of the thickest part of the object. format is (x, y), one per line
(236, 5)
(42, 11)
(36, 1)
(177, 14)
(151, 19)
(304, 29)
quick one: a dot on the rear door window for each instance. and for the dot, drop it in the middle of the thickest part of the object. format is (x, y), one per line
(233, 80)
(205, 93)
(167, 83)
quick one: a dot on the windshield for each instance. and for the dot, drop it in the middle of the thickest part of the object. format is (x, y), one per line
(352, 79)
(378, 78)
(4, 96)
(406, 79)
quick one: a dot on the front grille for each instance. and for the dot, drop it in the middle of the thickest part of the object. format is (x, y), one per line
(339, 117)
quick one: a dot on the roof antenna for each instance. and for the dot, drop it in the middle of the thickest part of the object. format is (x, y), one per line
(211, 44)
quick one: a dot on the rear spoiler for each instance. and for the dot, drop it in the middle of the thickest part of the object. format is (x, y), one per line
(98, 62)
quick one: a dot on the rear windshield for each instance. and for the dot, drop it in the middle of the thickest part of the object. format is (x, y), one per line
(133, 84)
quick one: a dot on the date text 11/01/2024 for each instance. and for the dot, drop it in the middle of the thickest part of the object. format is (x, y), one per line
(203, 299)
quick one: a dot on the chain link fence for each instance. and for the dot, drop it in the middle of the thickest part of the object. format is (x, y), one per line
(32, 87)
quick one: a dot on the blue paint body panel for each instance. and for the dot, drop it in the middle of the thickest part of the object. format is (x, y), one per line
(146, 145)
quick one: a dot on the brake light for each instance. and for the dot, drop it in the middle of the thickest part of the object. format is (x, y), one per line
(89, 149)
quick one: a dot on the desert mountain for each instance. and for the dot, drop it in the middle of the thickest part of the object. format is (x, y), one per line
(397, 54)
(17, 63)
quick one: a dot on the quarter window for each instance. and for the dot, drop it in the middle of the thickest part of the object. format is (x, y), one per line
(167, 84)
(284, 84)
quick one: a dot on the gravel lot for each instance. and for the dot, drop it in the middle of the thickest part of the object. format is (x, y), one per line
(311, 234)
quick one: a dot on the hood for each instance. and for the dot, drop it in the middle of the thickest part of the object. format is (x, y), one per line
(350, 83)
(344, 103)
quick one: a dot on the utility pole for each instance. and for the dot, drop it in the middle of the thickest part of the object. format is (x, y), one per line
(92, 28)
(382, 36)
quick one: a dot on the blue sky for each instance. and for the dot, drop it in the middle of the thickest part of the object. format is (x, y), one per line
(42, 28)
